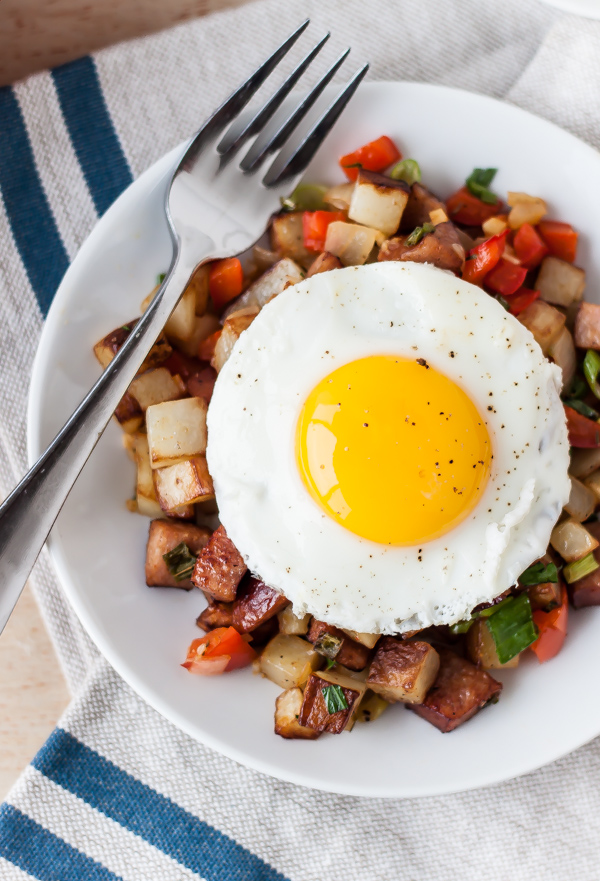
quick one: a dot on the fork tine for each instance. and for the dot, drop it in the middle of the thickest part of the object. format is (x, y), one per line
(297, 163)
(230, 108)
(268, 143)
(239, 132)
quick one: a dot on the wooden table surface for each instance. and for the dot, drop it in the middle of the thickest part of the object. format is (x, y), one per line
(35, 34)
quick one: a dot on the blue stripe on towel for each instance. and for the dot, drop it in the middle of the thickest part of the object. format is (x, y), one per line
(33, 849)
(147, 813)
(32, 222)
(92, 132)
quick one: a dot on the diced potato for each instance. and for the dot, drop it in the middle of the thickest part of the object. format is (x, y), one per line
(584, 462)
(287, 710)
(592, 485)
(176, 431)
(314, 712)
(263, 259)
(587, 326)
(129, 445)
(572, 540)
(562, 352)
(235, 324)
(180, 325)
(289, 660)
(106, 349)
(183, 484)
(510, 255)
(325, 262)
(350, 242)
(272, 282)
(493, 226)
(148, 299)
(583, 499)
(525, 209)
(255, 604)
(128, 414)
(215, 615)
(204, 326)
(339, 196)
(460, 690)
(147, 503)
(403, 671)
(219, 568)
(154, 387)
(559, 282)
(481, 647)
(368, 639)
(371, 707)
(199, 285)
(544, 321)
(290, 624)
(378, 201)
(163, 537)
(545, 596)
(287, 237)
(348, 652)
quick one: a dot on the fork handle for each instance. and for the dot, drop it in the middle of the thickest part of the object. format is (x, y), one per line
(28, 513)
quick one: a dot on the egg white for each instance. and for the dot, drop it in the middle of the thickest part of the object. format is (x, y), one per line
(415, 311)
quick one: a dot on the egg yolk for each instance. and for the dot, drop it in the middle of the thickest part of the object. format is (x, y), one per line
(392, 449)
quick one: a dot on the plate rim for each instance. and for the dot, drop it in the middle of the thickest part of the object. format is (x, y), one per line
(68, 584)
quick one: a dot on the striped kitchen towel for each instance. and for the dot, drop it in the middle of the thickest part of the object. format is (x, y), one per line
(118, 792)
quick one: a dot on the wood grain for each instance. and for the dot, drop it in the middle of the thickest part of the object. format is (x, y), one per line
(33, 692)
(36, 34)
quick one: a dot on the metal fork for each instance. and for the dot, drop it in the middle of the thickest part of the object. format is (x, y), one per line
(232, 201)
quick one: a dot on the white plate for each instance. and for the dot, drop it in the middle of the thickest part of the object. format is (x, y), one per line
(586, 8)
(98, 547)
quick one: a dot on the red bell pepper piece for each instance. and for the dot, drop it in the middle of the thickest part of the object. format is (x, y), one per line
(521, 300)
(375, 156)
(584, 433)
(463, 207)
(220, 651)
(505, 278)
(483, 258)
(225, 281)
(206, 349)
(314, 227)
(560, 238)
(553, 629)
(529, 247)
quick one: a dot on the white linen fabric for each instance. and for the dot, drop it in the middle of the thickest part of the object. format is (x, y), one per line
(118, 792)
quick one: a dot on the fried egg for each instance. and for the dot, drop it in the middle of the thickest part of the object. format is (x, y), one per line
(388, 447)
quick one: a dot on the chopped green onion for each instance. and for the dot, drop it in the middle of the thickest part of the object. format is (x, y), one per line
(330, 663)
(407, 170)
(335, 699)
(306, 197)
(478, 182)
(591, 369)
(461, 626)
(418, 232)
(328, 645)
(126, 327)
(504, 303)
(491, 610)
(579, 387)
(539, 574)
(161, 277)
(580, 568)
(582, 407)
(512, 627)
(180, 562)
